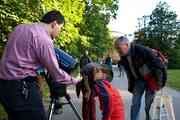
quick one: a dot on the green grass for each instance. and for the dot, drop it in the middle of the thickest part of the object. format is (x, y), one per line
(174, 79)
(3, 114)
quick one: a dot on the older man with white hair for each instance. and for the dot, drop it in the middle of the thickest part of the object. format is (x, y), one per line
(145, 72)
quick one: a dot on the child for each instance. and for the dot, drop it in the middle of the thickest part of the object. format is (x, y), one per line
(110, 100)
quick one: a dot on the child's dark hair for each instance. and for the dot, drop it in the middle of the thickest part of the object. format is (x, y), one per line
(53, 15)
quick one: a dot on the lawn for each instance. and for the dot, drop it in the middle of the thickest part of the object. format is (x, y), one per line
(3, 114)
(174, 79)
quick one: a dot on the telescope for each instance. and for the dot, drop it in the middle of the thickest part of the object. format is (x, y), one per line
(67, 63)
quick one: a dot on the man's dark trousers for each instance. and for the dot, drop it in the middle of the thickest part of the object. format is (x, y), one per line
(18, 106)
(140, 88)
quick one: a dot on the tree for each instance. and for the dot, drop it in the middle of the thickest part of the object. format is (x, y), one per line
(162, 32)
(94, 26)
(73, 11)
(85, 21)
(13, 12)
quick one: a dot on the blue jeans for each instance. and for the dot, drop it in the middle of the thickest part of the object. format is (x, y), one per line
(138, 91)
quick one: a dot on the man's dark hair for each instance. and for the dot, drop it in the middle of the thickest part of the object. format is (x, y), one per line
(53, 15)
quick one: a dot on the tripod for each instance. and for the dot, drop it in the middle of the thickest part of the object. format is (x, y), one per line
(63, 93)
(68, 98)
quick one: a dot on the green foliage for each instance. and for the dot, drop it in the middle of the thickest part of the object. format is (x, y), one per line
(73, 12)
(163, 24)
(3, 114)
(94, 26)
(162, 32)
(85, 21)
(14, 12)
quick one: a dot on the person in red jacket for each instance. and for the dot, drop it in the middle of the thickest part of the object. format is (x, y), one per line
(111, 103)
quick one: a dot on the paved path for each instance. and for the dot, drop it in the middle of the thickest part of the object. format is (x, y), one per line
(121, 83)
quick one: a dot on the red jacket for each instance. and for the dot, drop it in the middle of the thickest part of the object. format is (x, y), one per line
(111, 103)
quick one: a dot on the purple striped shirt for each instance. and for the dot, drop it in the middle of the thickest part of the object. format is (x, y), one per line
(29, 47)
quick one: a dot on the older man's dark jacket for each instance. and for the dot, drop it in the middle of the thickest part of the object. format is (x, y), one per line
(140, 55)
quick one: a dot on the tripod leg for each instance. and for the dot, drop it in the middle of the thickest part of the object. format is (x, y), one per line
(68, 98)
(51, 109)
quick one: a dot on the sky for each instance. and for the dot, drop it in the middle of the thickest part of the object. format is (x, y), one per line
(130, 10)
